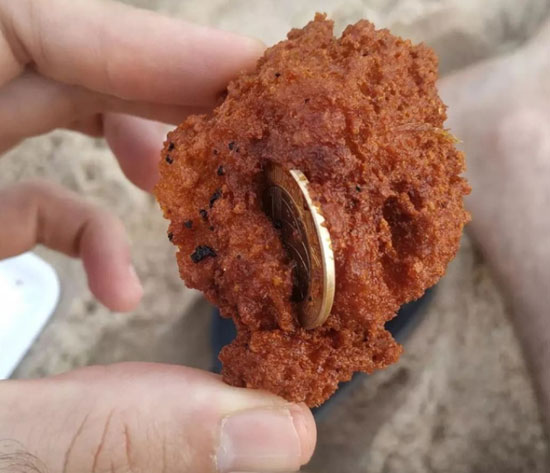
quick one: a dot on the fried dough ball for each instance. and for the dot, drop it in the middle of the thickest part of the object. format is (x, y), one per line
(360, 116)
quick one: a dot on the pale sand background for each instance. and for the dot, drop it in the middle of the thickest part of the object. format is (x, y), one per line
(460, 400)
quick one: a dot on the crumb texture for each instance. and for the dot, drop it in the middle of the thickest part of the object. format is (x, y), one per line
(361, 117)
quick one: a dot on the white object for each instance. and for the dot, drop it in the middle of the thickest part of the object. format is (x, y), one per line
(29, 293)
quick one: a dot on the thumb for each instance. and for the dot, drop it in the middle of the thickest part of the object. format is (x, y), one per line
(145, 418)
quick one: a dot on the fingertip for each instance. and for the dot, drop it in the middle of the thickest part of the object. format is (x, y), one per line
(105, 253)
(117, 289)
(253, 46)
(129, 293)
(306, 429)
(266, 439)
(136, 143)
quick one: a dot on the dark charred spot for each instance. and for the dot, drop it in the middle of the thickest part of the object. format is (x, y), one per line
(171, 146)
(169, 159)
(203, 213)
(188, 223)
(237, 149)
(170, 236)
(201, 252)
(277, 74)
(221, 171)
(211, 228)
(215, 196)
(215, 151)
(231, 145)
(358, 188)
(306, 100)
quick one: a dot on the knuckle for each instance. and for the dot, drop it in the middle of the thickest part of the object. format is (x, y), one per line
(9, 33)
(125, 448)
(102, 442)
(34, 193)
(27, 195)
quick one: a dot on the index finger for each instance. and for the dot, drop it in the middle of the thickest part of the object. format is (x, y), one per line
(120, 50)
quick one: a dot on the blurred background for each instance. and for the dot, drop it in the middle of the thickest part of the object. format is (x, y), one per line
(460, 399)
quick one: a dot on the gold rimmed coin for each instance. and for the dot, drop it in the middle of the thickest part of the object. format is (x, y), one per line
(288, 202)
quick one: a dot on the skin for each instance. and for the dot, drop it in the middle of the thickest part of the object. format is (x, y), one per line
(81, 65)
(500, 110)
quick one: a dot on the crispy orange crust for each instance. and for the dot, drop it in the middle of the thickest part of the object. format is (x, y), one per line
(360, 116)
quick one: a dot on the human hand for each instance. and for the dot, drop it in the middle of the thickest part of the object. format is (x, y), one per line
(142, 417)
(129, 417)
(94, 66)
(81, 65)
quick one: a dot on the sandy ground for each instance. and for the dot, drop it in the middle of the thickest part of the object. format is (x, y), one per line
(460, 399)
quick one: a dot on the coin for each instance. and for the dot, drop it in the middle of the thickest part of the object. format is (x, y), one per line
(288, 202)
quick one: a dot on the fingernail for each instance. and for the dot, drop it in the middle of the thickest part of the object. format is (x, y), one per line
(261, 440)
(135, 289)
(133, 277)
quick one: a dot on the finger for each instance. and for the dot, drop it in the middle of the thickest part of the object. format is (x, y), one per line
(136, 142)
(31, 105)
(122, 51)
(91, 125)
(37, 212)
(146, 417)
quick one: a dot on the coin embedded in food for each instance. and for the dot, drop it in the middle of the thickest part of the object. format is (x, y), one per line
(288, 202)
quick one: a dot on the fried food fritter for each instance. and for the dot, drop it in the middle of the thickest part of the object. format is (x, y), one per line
(360, 116)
